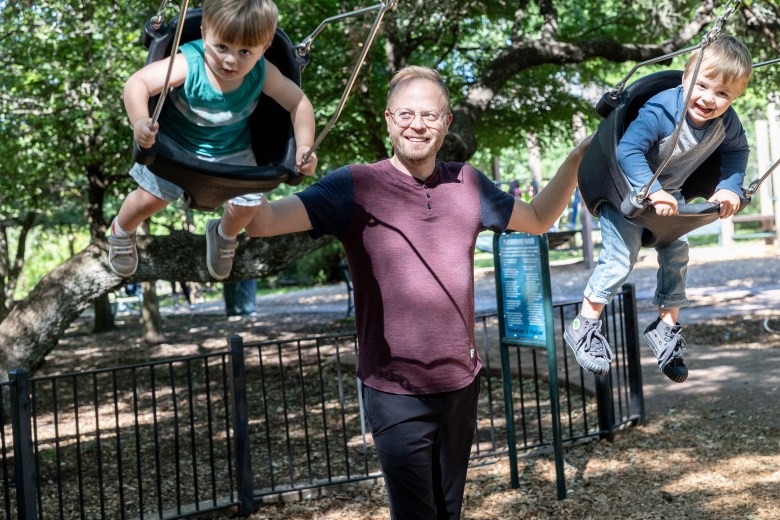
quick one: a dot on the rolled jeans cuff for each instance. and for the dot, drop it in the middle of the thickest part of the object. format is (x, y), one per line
(670, 301)
(601, 297)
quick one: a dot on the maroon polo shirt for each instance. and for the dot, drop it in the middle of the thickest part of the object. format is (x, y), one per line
(410, 248)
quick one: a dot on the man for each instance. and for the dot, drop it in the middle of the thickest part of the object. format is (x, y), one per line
(409, 225)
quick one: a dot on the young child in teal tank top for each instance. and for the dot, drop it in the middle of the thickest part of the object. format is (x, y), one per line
(216, 82)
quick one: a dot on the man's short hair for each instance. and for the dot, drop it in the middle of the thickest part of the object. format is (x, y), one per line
(412, 72)
(726, 57)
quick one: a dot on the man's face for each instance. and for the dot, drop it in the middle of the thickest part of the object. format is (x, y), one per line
(711, 96)
(417, 141)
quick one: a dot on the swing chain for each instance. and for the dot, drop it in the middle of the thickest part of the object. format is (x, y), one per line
(708, 38)
(753, 188)
(717, 27)
(158, 20)
(303, 49)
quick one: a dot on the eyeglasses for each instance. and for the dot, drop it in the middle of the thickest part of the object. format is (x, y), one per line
(404, 117)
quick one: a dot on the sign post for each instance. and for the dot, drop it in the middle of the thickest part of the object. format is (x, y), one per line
(525, 319)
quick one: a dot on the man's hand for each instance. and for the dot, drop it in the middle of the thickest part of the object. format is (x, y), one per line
(729, 202)
(664, 203)
(144, 133)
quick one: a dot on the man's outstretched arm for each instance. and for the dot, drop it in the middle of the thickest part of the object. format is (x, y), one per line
(540, 214)
(287, 215)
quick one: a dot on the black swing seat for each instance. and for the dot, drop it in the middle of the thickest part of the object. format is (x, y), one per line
(208, 185)
(602, 180)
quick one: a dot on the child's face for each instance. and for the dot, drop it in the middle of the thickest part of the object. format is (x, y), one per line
(230, 62)
(711, 96)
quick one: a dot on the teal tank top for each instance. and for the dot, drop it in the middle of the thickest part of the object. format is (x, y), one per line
(205, 121)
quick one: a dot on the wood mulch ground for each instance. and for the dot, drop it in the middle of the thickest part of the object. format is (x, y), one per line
(708, 456)
(712, 457)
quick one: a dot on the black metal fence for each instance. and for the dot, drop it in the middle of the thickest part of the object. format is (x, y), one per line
(260, 421)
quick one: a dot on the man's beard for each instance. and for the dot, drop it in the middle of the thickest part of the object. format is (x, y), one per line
(415, 154)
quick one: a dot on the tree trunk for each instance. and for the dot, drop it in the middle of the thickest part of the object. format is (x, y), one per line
(33, 327)
(150, 314)
(104, 318)
(5, 301)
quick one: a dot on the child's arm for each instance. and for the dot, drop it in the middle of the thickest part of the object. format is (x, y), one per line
(734, 153)
(142, 85)
(285, 92)
(650, 126)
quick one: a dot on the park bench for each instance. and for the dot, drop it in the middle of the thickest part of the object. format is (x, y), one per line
(767, 231)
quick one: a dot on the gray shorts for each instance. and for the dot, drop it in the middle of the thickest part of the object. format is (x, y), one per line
(167, 190)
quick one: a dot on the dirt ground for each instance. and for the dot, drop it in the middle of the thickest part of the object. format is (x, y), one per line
(710, 448)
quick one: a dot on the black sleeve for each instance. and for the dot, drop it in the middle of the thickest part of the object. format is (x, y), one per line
(329, 203)
(496, 205)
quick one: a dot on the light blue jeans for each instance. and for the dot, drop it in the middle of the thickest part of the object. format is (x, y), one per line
(621, 240)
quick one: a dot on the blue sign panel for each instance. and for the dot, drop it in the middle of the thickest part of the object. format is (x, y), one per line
(521, 287)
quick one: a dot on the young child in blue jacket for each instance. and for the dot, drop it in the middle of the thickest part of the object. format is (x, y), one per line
(711, 125)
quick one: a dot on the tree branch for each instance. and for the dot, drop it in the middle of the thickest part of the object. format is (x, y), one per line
(521, 55)
(33, 327)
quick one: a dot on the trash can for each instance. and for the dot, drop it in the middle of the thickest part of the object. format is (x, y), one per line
(240, 297)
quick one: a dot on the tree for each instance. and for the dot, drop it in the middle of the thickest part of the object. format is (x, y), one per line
(34, 325)
(514, 69)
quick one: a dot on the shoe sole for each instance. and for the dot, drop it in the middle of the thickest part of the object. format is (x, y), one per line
(586, 364)
(668, 370)
(208, 255)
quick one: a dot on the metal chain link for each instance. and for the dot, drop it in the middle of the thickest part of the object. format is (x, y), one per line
(158, 20)
(717, 26)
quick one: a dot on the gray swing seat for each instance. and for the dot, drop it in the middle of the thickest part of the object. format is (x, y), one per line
(602, 180)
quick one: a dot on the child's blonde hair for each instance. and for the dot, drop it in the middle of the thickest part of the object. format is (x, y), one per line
(248, 23)
(725, 57)
(412, 72)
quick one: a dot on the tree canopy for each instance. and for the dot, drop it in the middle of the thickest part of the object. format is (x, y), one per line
(514, 69)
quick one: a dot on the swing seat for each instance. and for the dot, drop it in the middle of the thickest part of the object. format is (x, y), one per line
(208, 185)
(602, 180)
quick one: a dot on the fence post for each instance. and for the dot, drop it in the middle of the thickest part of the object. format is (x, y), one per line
(633, 356)
(244, 484)
(606, 411)
(24, 458)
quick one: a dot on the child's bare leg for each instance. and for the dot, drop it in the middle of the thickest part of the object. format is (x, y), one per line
(137, 207)
(591, 310)
(669, 315)
(235, 218)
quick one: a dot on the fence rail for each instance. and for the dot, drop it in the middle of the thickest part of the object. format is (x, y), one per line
(226, 430)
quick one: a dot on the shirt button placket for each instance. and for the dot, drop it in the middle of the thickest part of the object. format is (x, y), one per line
(427, 195)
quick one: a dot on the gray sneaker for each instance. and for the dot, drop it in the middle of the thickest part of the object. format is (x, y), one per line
(219, 252)
(590, 347)
(122, 255)
(668, 345)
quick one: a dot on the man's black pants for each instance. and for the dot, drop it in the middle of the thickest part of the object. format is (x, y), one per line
(423, 442)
